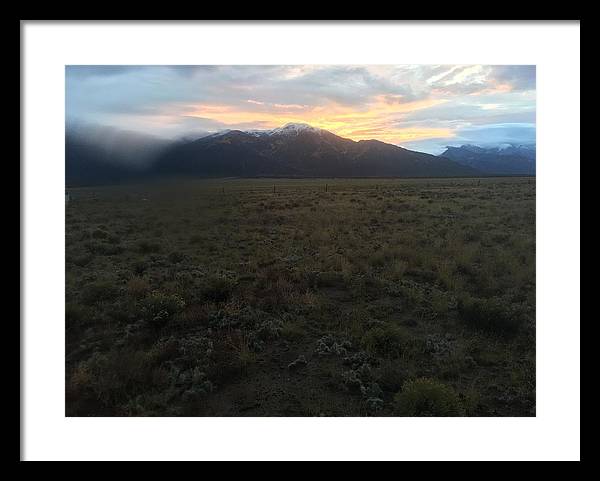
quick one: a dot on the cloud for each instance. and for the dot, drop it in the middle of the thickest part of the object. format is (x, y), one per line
(88, 71)
(519, 77)
(397, 104)
(499, 133)
(484, 135)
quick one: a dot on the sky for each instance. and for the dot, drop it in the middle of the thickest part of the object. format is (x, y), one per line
(420, 107)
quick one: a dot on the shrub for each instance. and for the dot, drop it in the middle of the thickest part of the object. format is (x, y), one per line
(490, 315)
(113, 239)
(158, 308)
(137, 287)
(352, 382)
(243, 348)
(147, 247)
(330, 279)
(82, 260)
(175, 257)
(427, 397)
(329, 345)
(121, 310)
(194, 315)
(195, 239)
(102, 248)
(386, 341)
(269, 329)
(297, 364)
(99, 291)
(398, 268)
(75, 314)
(99, 234)
(112, 377)
(292, 330)
(390, 376)
(439, 302)
(472, 236)
(374, 404)
(139, 267)
(217, 289)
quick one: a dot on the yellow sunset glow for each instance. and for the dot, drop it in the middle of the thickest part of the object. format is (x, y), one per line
(379, 120)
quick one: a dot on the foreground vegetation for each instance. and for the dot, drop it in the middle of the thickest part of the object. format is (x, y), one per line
(302, 298)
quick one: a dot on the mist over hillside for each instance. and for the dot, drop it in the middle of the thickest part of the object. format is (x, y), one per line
(105, 155)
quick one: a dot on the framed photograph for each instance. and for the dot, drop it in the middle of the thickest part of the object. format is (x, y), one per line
(285, 247)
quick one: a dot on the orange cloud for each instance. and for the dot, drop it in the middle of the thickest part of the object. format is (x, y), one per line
(497, 88)
(380, 119)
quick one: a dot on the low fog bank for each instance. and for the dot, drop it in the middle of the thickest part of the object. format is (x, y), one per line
(96, 154)
(112, 145)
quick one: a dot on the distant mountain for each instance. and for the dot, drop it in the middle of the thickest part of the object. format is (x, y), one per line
(506, 159)
(295, 150)
(299, 150)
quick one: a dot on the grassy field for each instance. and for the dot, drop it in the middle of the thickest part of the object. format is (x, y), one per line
(378, 297)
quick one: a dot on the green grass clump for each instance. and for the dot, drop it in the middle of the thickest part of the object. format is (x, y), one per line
(427, 397)
(388, 340)
(158, 308)
(491, 315)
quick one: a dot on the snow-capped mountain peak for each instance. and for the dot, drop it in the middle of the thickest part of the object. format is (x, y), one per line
(293, 128)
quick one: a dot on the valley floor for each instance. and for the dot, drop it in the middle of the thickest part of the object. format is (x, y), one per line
(362, 297)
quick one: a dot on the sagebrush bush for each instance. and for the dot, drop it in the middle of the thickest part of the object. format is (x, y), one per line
(139, 267)
(292, 330)
(123, 310)
(112, 377)
(137, 287)
(217, 288)
(148, 247)
(158, 308)
(387, 340)
(196, 239)
(82, 260)
(492, 315)
(390, 376)
(102, 248)
(330, 279)
(175, 257)
(99, 234)
(113, 239)
(99, 291)
(75, 314)
(427, 397)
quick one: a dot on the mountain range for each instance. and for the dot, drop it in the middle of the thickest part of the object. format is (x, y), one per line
(507, 159)
(295, 150)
